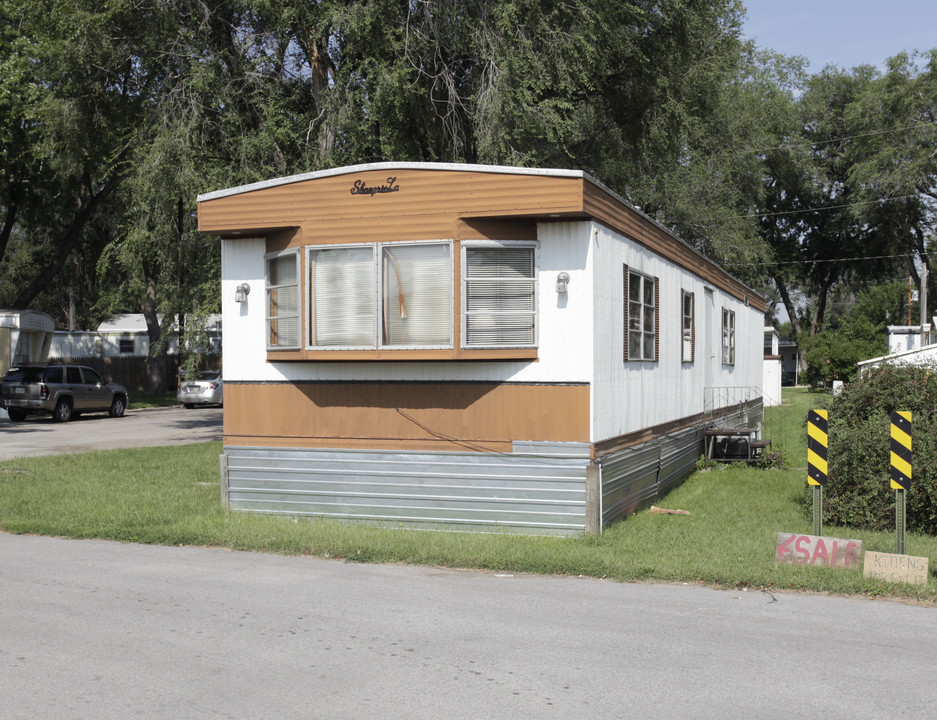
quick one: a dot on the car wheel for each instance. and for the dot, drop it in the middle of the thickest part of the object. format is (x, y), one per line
(17, 414)
(117, 407)
(189, 406)
(63, 411)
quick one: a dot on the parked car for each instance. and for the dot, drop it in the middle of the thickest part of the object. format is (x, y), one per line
(206, 389)
(64, 391)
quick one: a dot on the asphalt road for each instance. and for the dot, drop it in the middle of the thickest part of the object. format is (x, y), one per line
(39, 435)
(93, 629)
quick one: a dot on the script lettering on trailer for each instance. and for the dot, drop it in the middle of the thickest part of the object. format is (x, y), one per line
(360, 188)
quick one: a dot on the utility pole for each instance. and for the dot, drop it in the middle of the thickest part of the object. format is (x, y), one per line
(924, 319)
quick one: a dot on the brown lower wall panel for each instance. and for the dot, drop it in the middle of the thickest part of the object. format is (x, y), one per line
(406, 416)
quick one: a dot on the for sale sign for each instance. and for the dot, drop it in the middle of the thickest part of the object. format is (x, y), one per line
(896, 568)
(797, 549)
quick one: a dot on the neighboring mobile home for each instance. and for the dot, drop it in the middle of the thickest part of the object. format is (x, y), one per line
(125, 335)
(25, 336)
(469, 346)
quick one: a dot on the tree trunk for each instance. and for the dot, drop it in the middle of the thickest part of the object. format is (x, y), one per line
(8, 223)
(822, 294)
(64, 246)
(795, 322)
(156, 361)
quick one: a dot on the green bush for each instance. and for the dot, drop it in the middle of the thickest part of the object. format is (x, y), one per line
(859, 491)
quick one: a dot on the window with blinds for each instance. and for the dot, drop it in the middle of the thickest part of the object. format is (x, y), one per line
(416, 298)
(282, 301)
(377, 296)
(342, 297)
(499, 302)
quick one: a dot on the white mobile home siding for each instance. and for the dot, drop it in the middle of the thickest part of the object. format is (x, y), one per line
(565, 322)
(629, 396)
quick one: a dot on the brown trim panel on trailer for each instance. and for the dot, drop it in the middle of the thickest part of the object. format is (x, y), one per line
(440, 202)
(475, 416)
(428, 202)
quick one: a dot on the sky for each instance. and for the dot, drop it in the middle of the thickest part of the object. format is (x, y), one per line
(845, 33)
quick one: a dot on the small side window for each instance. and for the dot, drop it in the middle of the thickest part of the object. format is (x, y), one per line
(689, 329)
(728, 337)
(282, 301)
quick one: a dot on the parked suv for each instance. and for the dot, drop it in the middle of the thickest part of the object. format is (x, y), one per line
(65, 391)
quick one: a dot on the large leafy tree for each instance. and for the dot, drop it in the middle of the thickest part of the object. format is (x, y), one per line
(829, 228)
(139, 105)
(895, 122)
(71, 94)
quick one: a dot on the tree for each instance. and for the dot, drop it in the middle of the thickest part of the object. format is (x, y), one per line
(895, 121)
(71, 96)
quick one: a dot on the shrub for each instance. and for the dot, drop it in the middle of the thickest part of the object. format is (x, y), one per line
(859, 491)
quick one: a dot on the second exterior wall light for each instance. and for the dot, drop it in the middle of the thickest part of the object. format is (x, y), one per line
(562, 281)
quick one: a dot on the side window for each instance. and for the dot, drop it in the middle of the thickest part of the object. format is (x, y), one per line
(688, 337)
(282, 301)
(73, 375)
(499, 296)
(91, 377)
(641, 316)
(728, 337)
(55, 374)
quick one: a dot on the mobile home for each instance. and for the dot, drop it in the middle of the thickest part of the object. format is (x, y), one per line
(469, 346)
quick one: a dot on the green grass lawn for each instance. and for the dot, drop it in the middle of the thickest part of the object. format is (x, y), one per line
(170, 495)
(139, 400)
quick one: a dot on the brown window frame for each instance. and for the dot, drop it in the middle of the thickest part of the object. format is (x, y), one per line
(627, 303)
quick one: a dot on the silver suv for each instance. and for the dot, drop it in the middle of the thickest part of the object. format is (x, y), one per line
(65, 391)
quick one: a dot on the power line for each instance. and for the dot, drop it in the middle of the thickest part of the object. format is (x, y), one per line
(828, 260)
(814, 143)
(828, 207)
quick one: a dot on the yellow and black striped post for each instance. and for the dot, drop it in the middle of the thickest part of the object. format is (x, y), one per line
(900, 471)
(817, 462)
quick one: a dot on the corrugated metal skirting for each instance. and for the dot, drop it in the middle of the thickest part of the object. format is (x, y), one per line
(635, 477)
(540, 488)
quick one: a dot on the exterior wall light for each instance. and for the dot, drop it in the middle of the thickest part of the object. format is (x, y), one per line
(243, 290)
(562, 280)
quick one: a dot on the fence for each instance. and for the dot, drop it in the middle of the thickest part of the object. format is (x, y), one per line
(128, 370)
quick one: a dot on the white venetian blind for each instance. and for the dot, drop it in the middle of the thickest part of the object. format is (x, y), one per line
(416, 283)
(343, 297)
(499, 297)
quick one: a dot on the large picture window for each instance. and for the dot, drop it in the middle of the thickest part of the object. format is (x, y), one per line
(388, 295)
(641, 315)
(499, 297)
(282, 301)
(728, 337)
